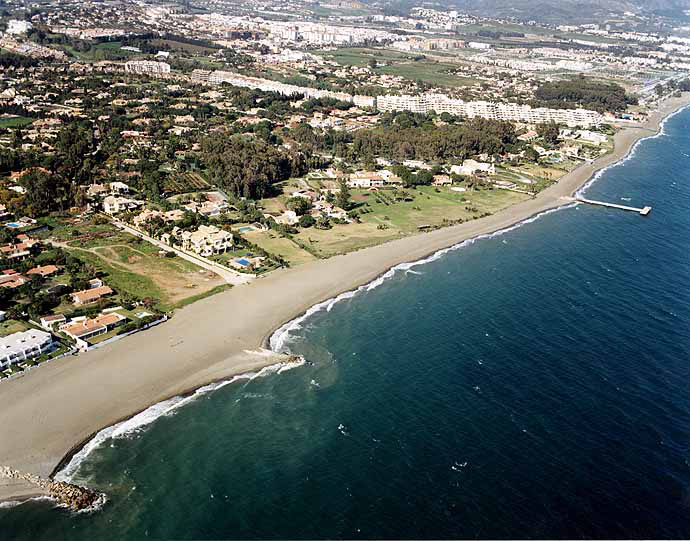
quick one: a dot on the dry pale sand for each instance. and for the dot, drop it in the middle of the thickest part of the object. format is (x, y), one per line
(48, 412)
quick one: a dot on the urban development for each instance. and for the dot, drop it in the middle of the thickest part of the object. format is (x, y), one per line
(155, 154)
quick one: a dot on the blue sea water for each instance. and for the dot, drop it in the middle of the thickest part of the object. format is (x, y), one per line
(533, 384)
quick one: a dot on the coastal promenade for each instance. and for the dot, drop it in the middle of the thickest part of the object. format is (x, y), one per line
(49, 412)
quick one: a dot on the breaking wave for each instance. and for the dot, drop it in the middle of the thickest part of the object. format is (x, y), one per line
(282, 336)
(139, 422)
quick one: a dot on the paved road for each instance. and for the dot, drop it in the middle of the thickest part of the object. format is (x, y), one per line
(230, 276)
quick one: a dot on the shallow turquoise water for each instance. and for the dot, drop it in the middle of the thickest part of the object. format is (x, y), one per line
(534, 384)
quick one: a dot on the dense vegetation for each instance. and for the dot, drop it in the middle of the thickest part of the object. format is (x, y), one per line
(12, 60)
(583, 92)
(404, 136)
(248, 167)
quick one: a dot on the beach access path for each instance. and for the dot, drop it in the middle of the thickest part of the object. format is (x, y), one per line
(49, 412)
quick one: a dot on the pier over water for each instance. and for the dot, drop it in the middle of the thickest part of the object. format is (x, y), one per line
(644, 211)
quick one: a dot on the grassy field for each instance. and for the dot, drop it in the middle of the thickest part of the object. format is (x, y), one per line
(15, 122)
(472, 29)
(435, 73)
(11, 326)
(275, 244)
(102, 51)
(431, 207)
(180, 46)
(360, 56)
(135, 266)
(346, 238)
(401, 64)
(383, 219)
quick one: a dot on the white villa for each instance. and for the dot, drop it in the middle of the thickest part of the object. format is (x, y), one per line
(365, 179)
(205, 241)
(470, 167)
(114, 205)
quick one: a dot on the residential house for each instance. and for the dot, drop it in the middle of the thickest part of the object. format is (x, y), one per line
(146, 216)
(206, 241)
(118, 188)
(12, 280)
(207, 208)
(81, 329)
(89, 296)
(530, 135)
(97, 190)
(289, 217)
(45, 270)
(19, 250)
(441, 180)
(114, 204)
(365, 179)
(49, 322)
(471, 167)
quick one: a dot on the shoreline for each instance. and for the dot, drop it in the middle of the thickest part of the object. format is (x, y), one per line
(44, 412)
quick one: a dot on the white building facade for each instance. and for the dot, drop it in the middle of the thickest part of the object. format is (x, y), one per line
(24, 345)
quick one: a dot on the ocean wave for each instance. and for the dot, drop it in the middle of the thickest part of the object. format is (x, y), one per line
(282, 336)
(139, 422)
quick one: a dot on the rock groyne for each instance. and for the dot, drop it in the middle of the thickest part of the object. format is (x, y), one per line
(73, 497)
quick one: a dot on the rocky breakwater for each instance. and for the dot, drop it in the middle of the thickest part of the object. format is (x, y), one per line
(67, 495)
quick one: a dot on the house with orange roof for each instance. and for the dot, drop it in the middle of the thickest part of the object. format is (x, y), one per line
(82, 329)
(89, 296)
(45, 270)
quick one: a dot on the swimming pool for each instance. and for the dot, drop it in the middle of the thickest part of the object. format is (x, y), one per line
(247, 229)
(14, 226)
(243, 262)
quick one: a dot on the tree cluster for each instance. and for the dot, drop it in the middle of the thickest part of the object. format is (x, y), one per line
(249, 167)
(583, 92)
(408, 141)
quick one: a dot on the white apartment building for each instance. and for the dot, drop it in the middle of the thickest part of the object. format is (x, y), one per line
(423, 103)
(147, 66)
(440, 103)
(24, 345)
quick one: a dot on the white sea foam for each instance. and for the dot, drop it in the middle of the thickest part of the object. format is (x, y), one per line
(140, 421)
(281, 337)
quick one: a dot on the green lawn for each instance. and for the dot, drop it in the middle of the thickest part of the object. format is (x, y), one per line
(383, 219)
(430, 207)
(15, 122)
(435, 73)
(357, 56)
(275, 244)
(401, 64)
(11, 326)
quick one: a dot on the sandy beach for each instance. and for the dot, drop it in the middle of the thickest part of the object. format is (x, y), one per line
(49, 412)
